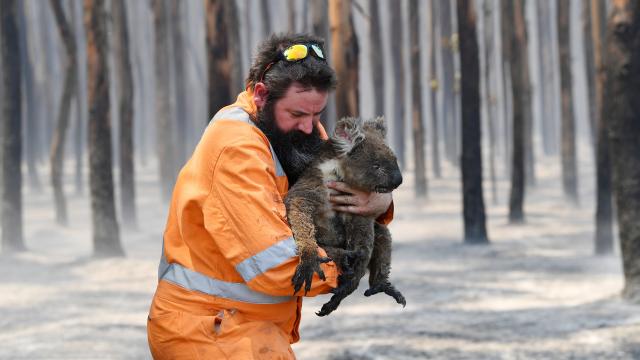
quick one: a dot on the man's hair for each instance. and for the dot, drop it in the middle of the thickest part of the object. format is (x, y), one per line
(310, 71)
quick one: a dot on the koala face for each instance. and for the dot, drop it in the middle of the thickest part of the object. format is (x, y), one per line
(366, 160)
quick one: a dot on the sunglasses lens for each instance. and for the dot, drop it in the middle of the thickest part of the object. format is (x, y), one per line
(318, 51)
(295, 52)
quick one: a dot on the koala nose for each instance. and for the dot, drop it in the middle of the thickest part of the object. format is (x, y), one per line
(397, 179)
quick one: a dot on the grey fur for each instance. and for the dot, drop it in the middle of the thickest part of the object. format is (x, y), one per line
(357, 155)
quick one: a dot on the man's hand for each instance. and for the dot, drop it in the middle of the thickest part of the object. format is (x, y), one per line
(358, 202)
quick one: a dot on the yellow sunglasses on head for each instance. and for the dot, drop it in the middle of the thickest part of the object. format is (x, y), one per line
(294, 53)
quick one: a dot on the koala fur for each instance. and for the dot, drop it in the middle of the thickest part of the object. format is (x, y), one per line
(357, 155)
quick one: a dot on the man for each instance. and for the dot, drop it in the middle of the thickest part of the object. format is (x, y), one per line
(228, 257)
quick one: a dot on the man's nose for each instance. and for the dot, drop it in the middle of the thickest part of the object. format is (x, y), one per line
(306, 126)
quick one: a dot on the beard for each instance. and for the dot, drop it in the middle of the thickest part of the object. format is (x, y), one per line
(295, 150)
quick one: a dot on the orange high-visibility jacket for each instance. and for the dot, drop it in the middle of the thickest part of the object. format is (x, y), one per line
(227, 244)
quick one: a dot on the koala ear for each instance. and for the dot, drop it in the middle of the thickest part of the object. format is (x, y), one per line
(378, 125)
(348, 133)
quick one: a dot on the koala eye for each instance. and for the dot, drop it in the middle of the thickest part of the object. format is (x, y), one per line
(376, 166)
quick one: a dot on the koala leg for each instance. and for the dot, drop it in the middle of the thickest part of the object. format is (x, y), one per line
(299, 214)
(380, 266)
(359, 232)
(345, 259)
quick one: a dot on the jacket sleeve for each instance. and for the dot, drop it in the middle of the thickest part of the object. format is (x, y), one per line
(256, 238)
(386, 218)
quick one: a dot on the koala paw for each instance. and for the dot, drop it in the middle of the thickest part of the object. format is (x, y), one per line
(388, 289)
(305, 270)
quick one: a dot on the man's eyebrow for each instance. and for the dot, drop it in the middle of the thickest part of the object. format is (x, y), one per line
(301, 112)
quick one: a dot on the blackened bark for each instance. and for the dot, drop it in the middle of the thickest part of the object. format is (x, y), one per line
(60, 134)
(434, 86)
(622, 61)
(416, 102)
(106, 234)
(395, 11)
(604, 207)
(518, 69)
(81, 97)
(377, 58)
(345, 54)
(31, 99)
(12, 232)
(125, 108)
(164, 136)
(489, 52)
(475, 231)
(590, 69)
(448, 80)
(182, 121)
(568, 149)
(219, 55)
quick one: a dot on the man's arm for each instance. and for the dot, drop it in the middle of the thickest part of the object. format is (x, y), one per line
(244, 196)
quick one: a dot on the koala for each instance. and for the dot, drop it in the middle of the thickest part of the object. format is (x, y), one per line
(355, 154)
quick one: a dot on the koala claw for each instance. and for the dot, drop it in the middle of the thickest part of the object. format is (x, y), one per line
(304, 273)
(388, 289)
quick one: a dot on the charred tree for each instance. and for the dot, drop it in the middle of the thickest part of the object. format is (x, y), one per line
(395, 11)
(12, 232)
(489, 94)
(345, 54)
(125, 108)
(604, 207)
(434, 86)
(475, 231)
(60, 134)
(291, 13)
(106, 234)
(31, 87)
(448, 81)
(622, 61)
(164, 139)
(514, 13)
(377, 64)
(546, 78)
(568, 148)
(81, 97)
(223, 64)
(590, 68)
(263, 8)
(182, 123)
(416, 102)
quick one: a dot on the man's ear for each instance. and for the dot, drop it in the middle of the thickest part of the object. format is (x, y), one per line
(377, 125)
(260, 93)
(348, 133)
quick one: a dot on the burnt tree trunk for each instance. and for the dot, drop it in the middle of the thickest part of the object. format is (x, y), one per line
(345, 57)
(416, 102)
(182, 120)
(590, 68)
(546, 79)
(622, 61)
(604, 207)
(125, 108)
(448, 80)
(489, 94)
(434, 86)
(395, 11)
(377, 64)
(568, 148)
(164, 137)
(106, 234)
(475, 231)
(60, 134)
(81, 97)
(517, 65)
(263, 8)
(12, 232)
(221, 59)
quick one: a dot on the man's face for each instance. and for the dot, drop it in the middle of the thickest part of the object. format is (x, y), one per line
(290, 124)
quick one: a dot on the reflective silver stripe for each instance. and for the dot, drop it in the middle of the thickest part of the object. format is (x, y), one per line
(236, 113)
(195, 281)
(266, 259)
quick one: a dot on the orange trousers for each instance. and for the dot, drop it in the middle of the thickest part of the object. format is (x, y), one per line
(208, 334)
